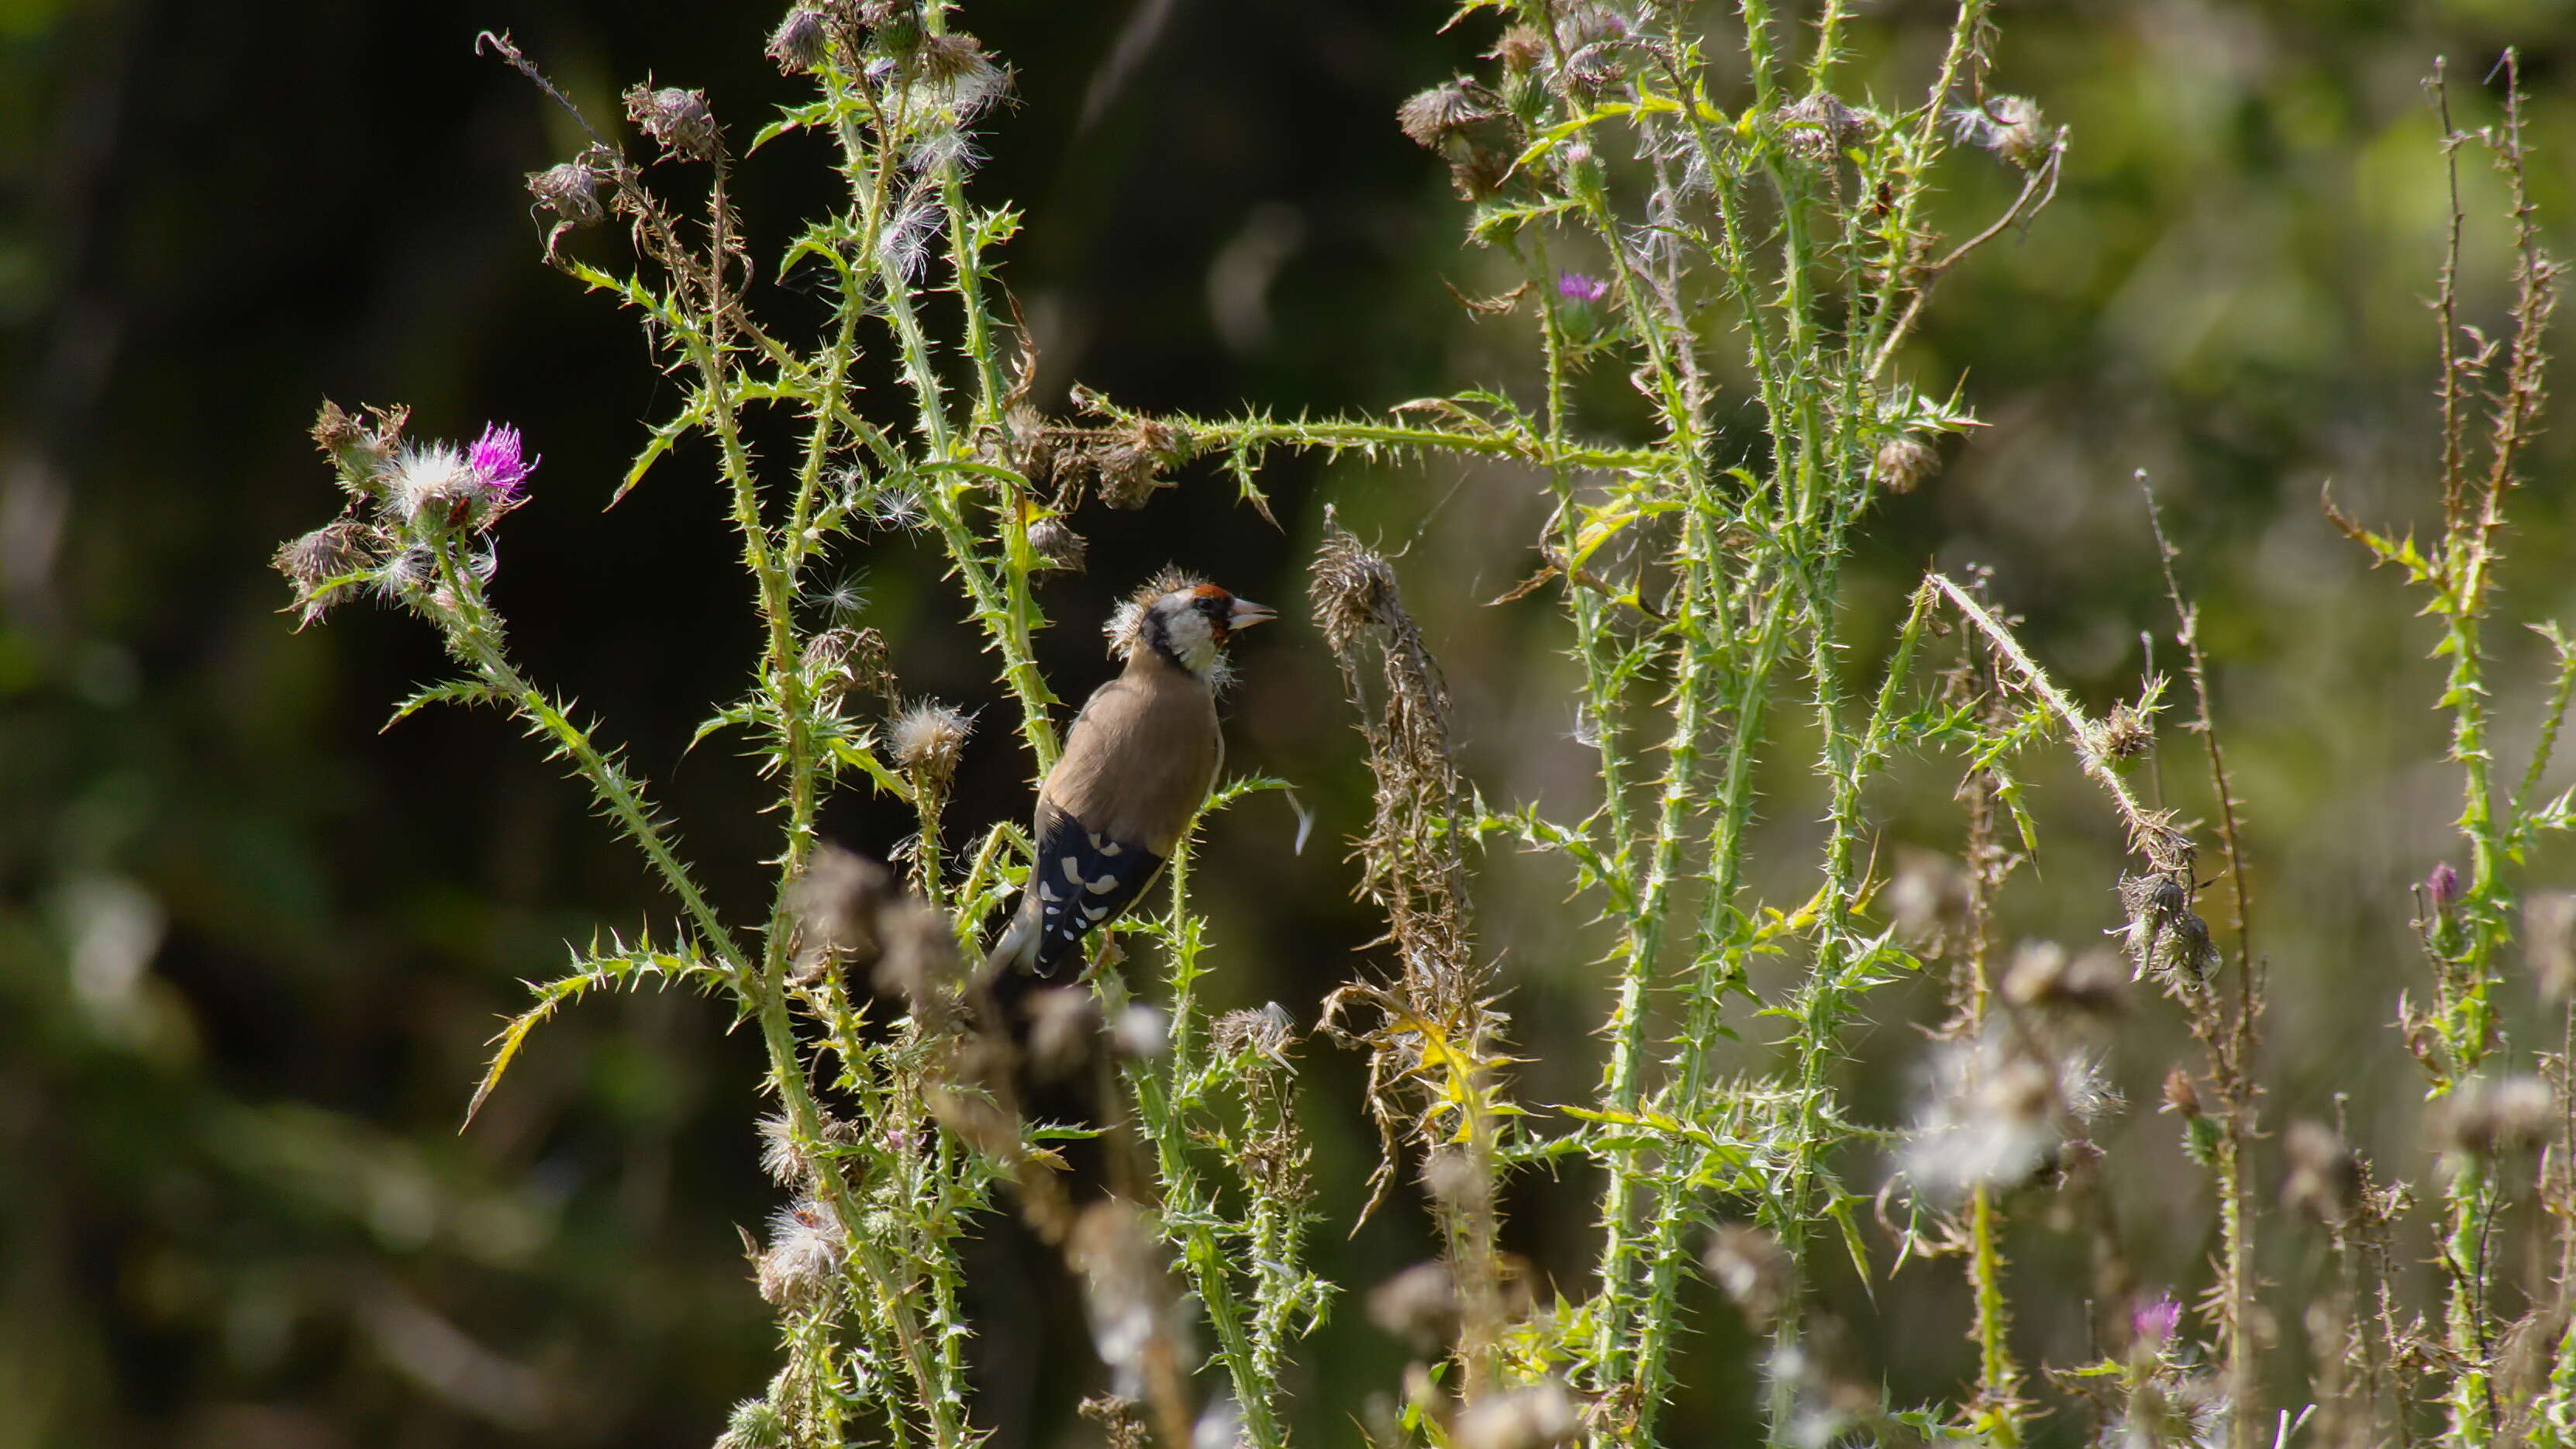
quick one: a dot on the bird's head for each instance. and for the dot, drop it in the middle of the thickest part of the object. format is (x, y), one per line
(1185, 621)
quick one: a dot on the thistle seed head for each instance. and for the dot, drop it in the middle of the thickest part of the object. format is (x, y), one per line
(928, 739)
(2325, 1176)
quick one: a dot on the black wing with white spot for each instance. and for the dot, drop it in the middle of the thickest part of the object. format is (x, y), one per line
(1082, 881)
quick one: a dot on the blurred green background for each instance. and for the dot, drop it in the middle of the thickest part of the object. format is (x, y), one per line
(251, 948)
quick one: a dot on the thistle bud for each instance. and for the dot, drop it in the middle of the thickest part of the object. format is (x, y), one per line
(1059, 548)
(1903, 462)
(2126, 733)
(2442, 888)
(801, 42)
(678, 119)
(570, 191)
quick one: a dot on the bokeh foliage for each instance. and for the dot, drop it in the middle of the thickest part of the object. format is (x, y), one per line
(251, 948)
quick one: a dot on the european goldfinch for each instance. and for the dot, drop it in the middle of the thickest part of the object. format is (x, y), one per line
(1137, 765)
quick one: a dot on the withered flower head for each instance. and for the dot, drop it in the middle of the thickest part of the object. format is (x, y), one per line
(1418, 1305)
(2009, 126)
(678, 119)
(802, 41)
(1534, 1417)
(840, 661)
(2126, 733)
(2485, 1117)
(2164, 937)
(1267, 1030)
(1429, 118)
(1817, 128)
(1749, 1266)
(2549, 941)
(1064, 1027)
(804, 1257)
(569, 190)
(2325, 1177)
(928, 739)
(1903, 462)
(2043, 976)
(1520, 50)
(836, 903)
(2182, 1097)
(781, 1155)
(920, 961)
(1058, 547)
(333, 551)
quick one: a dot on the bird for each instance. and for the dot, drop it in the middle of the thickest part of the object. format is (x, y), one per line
(1137, 764)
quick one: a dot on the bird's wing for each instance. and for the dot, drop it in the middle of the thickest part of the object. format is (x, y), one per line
(1138, 761)
(1081, 880)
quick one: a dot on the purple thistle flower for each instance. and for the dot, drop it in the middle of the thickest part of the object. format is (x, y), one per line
(1576, 287)
(2443, 885)
(495, 460)
(2156, 1320)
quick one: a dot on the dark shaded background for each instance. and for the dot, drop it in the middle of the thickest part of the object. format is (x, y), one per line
(250, 947)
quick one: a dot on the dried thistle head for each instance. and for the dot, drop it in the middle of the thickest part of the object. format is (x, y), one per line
(1817, 128)
(2325, 1180)
(781, 1155)
(1418, 1305)
(928, 739)
(836, 903)
(919, 962)
(2487, 1117)
(2009, 126)
(570, 190)
(1521, 49)
(1266, 1031)
(678, 120)
(311, 563)
(2044, 977)
(803, 1261)
(2126, 733)
(1750, 1267)
(2164, 939)
(1431, 119)
(802, 41)
(1903, 462)
(1058, 548)
(1127, 467)
(1063, 1031)
(840, 661)
(1531, 1417)
(2549, 941)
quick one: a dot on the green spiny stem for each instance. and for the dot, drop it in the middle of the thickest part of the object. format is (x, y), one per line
(1717, 969)
(1696, 675)
(1998, 1378)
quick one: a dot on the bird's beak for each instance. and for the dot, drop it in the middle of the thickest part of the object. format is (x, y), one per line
(1247, 613)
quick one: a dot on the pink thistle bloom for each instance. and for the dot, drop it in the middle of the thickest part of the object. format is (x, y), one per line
(2156, 1320)
(1576, 287)
(495, 461)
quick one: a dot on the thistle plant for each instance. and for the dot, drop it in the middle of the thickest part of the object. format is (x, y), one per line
(1749, 246)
